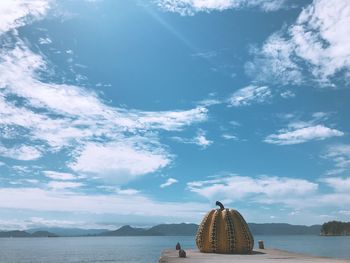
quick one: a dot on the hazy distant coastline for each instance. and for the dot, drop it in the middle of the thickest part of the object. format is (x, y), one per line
(162, 230)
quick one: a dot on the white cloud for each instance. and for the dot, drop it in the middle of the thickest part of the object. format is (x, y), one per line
(124, 191)
(321, 36)
(339, 199)
(39, 222)
(15, 13)
(59, 175)
(23, 153)
(298, 194)
(235, 123)
(301, 135)
(57, 185)
(170, 120)
(274, 63)
(60, 98)
(73, 101)
(316, 45)
(262, 189)
(21, 168)
(209, 102)
(61, 200)
(190, 7)
(128, 191)
(118, 161)
(13, 223)
(58, 116)
(345, 212)
(321, 115)
(227, 136)
(45, 41)
(54, 116)
(199, 139)
(300, 131)
(340, 155)
(339, 184)
(24, 182)
(169, 182)
(287, 94)
(249, 95)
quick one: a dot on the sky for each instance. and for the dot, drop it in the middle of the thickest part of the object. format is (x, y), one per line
(148, 111)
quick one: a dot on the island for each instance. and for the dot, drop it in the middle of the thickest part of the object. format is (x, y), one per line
(335, 228)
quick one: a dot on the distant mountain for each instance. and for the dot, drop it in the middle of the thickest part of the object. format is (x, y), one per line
(176, 229)
(283, 229)
(335, 228)
(191, 230)
(43, 234)
(170, 230)
(69, 232)
(131, 231)
(18, 233)
(14, 233)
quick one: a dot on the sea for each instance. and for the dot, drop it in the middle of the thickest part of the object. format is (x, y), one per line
(146, 249)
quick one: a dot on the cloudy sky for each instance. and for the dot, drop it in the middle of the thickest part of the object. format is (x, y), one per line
(148, 111)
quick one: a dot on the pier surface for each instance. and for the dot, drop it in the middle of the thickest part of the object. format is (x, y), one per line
(262, 256)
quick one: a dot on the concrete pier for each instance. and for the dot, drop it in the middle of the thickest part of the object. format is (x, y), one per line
(258, 256)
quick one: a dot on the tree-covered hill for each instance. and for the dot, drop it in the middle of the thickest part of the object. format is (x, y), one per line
(335, 228)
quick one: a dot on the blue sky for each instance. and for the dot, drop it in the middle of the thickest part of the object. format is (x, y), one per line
(144, 112)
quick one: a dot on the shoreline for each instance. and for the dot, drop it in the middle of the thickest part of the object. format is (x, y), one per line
(259, 255)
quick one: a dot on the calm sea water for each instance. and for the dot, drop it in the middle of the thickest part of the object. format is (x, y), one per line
(144, 249)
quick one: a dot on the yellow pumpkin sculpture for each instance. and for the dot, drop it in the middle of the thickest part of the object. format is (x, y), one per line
(224, 231)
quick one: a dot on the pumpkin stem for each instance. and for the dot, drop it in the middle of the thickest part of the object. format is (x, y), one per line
(220, 204)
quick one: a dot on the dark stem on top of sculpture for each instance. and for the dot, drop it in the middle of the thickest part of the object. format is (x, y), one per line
(220, 204)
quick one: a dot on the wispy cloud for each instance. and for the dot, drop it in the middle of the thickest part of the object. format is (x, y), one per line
(234, 188)
(114, 144)
(39, 222)
(296, 136)
(45, 41)
(274, 63)
(190, 7)
(250, 95)
(287, 94)
(59, 175)
(19, 12)
(169, 182)
(23, 153)
(345, 212)
(340, 155)
(298, 194)
(119, 161)
(228, 136)
(64, 185)
(339, 184)
(303, 131)
(64, 200)
(60, 116)
(200, 139)
(128, 191)
(315, 47)
(209, 102)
